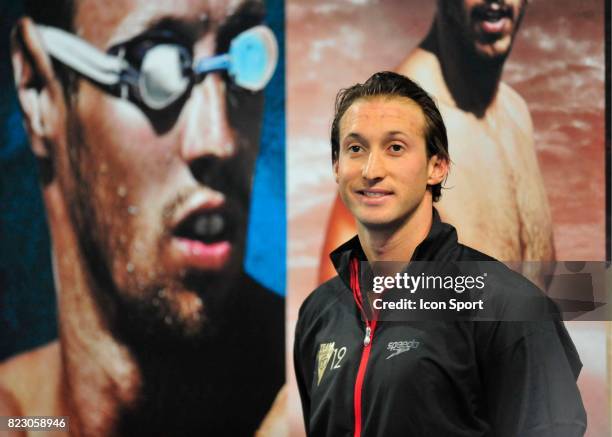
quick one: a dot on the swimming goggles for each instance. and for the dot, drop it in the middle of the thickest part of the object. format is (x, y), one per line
(157, 70)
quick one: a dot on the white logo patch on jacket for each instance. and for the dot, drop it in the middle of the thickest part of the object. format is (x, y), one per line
(399, 347)
(326, 352)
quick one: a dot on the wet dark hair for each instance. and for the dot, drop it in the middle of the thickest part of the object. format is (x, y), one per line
(389, 84)
(56, 13)
(60, 14)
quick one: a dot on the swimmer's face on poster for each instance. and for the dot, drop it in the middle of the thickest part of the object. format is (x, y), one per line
(162, 195)
(488, 28)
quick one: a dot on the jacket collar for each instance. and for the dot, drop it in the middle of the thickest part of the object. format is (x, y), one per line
(438, 245)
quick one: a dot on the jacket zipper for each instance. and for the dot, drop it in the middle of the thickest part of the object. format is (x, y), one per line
(370, 327)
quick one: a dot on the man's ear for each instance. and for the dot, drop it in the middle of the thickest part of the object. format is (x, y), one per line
(335, 166)
(37, 88)
(437, 169)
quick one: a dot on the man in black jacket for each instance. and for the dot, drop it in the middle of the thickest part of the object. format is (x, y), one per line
(360, 375)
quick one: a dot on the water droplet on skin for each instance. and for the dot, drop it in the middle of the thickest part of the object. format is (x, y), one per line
(103, 168)
(121, 191)
(132, 210)
(129, 267)
(168, 320)
(161, 293)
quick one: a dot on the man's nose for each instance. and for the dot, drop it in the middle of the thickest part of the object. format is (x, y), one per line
(374, 167)
(207, 132)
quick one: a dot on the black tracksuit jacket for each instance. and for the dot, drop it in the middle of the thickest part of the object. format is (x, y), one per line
(432, 378)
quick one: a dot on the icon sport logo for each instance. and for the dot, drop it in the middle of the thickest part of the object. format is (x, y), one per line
(398, 347)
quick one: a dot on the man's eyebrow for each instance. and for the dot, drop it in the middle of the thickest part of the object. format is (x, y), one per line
(248, 14)
(249, 10)
(397, 133)
(190, 29)
(187, 29)
(354, 136)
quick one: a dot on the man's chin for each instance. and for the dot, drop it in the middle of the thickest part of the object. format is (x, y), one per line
(494, 51)
(379, 223)
(189, 313)
(185, 313)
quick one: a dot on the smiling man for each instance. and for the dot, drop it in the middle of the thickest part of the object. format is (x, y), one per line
(145, 120)
(360, 375)
(460, 62)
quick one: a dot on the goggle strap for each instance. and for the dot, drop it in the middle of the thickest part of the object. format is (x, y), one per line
(208, 65)
(82, 56)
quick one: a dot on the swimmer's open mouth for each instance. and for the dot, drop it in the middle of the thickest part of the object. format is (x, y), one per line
(204, 229)
(493, 20)
(492, 15)
(208, 226)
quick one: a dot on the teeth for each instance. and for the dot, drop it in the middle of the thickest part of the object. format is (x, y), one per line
(371, 194)
(493, 15)
(209, 225)
(201, 226)
(216, 224)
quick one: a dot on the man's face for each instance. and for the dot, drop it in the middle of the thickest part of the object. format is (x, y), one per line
(382, 169)
(161, 199)
(488, 26)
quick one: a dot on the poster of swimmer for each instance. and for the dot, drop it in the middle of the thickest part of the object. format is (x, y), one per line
(521, 87)
(142, 214)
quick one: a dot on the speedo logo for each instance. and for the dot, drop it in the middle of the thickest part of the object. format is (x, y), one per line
(399, 347)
